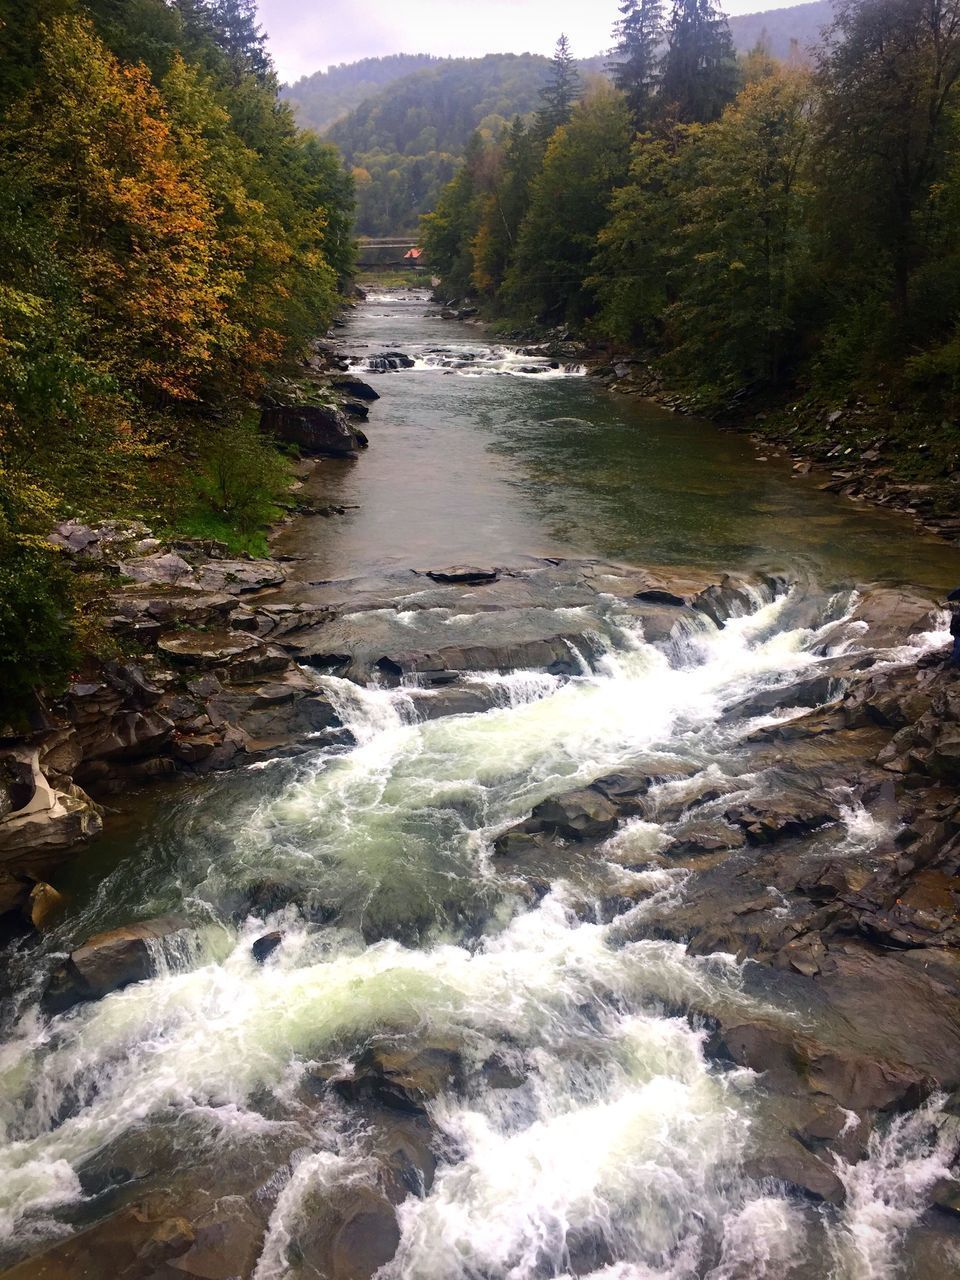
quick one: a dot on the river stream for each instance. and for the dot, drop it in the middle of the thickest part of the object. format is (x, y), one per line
(592, 1134)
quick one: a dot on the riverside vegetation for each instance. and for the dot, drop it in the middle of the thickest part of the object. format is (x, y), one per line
(749, 230)
(169, 242)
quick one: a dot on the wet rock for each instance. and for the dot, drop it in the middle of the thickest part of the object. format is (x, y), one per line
(627, 788)
(403, 1147)
(464, 573)
(706, 836)
(660, 595)
(45, 904)
(403, 1078)
(356, 409)
(112, 960)
(785, 1160)
(346, 1234)
(226, 1243)
(794, 1062)
(49, 819)
(804, 693)
(209, 648)
(145, 605)
(788, 807)
(132, 1244)
(315, 429)
(130, 735)
(237, 577)
(584, 814)
(884, 617)
(265, 946)
(356, 388)
(727, 599)
(389, 361)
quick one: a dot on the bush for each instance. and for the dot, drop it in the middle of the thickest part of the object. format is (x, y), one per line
(36, 628)
(241, 483)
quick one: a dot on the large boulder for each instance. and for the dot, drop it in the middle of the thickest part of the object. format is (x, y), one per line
(112, 960)
(313, 428)
(164, 567)
(356, 388)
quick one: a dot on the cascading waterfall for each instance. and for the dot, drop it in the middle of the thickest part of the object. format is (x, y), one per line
(622, 1136)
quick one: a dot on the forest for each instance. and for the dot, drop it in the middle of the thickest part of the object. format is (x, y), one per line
(404, 121)
(751, 227)
(169, 238)
(406, 143)
(325, 97)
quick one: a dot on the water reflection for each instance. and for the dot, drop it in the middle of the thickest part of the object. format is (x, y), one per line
(492, 467)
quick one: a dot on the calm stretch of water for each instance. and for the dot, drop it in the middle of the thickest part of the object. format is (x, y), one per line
(619, 1135)
(477, 456)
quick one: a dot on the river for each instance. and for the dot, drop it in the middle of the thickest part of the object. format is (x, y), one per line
(576, 1123)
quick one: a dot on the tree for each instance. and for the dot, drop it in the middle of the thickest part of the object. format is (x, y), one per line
(239, 34)
(505, 207)
(887, 75)
(585, 161)
(699, 74)
(560, 92)
(132, 224)
(636, 250)
(742, 243)
(637, 55)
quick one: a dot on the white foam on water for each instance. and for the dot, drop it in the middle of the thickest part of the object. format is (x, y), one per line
(623, 1131)
(313, 1174)
(886, 1192)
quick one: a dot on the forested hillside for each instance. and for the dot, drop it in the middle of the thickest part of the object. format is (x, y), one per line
(323, 98)
(407, 142)
(749, 227)
(168, 237)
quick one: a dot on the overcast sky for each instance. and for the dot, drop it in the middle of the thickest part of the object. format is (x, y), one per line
(310, 35)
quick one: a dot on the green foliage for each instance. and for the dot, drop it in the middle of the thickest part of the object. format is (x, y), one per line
(408, 142)
(804, 233)
(560, 92)
(238, 487)
(585, 161)
(636, 56)
(168, 237)
(36, 604)
(699, 72)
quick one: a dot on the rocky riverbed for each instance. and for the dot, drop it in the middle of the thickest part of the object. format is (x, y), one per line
(821, 846)
(483, 915)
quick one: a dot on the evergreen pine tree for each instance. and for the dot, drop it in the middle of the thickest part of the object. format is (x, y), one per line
(637, 55)
(239, 34)
(560, 92)
(700, 67)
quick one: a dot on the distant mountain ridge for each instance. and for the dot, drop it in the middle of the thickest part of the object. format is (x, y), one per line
(405, 143)
(325, 97)
(403, 122)
(800, 22)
